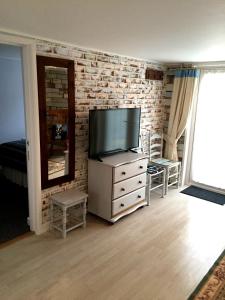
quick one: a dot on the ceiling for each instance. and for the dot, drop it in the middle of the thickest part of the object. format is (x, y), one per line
(161, 30)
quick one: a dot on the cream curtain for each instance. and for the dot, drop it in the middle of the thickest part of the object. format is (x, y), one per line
(184, 90)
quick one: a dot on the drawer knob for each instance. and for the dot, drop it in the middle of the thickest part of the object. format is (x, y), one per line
(123, 173)
(141, 167)
(140, 181)
(122, 204)
(122, 189)
(139, 196)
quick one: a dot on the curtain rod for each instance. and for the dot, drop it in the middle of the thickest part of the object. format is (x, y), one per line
(210, 66)
(181, 67)
(184, 66)
(207, 64)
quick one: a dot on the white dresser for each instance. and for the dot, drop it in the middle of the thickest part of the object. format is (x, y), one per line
(117, 185)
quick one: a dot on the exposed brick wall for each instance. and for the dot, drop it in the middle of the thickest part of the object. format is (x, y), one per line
(105, 81)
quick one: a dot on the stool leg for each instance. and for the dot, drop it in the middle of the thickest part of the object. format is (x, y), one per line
(51, 214)
(84, 213)
(166, 180)
(163, 182)
(64, 223)
(149, 187)
(178, 176)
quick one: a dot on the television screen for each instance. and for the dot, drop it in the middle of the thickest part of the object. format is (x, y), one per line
(113, 130)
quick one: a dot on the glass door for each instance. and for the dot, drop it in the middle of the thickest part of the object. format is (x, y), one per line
(208, 154)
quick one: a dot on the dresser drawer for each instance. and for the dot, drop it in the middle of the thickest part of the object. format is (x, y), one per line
(127, 201)
(126, 186)
(129, 170)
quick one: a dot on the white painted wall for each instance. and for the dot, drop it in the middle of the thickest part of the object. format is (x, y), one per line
(12, 119)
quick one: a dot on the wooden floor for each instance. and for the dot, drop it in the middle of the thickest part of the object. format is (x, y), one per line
(158, 252)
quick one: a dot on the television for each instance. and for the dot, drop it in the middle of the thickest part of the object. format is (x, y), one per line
(113, 130)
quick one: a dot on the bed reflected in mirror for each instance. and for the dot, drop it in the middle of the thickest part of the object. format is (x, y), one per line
(56, 106)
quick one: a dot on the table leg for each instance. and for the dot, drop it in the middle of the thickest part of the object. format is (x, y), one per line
(84, 213)
(64, 222)
(179, 173)
(163, 182)
(149, 187)
(166, 180)
(51, 214)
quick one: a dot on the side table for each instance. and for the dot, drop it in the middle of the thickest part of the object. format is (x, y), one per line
(63, 209)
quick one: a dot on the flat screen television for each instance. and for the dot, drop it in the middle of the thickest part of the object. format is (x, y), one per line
(113, 130)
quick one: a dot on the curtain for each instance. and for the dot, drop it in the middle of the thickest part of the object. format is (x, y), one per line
(184, 90)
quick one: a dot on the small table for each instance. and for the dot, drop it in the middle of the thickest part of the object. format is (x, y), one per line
(169, 165)
(64, 207)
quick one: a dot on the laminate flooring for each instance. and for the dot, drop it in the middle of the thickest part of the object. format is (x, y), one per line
(158, 252)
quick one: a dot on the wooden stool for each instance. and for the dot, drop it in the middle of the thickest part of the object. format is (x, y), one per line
(63, 209)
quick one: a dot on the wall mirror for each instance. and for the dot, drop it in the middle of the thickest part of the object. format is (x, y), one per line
(57, 119)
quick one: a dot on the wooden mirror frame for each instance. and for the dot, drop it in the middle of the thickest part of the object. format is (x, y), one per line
(42, 62)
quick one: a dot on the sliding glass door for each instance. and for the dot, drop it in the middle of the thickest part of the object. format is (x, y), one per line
(208, 156)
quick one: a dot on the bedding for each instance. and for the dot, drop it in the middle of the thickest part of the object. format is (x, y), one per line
(13, 163)
(13, 155)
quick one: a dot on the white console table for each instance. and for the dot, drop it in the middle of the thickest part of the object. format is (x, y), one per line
(117, 185)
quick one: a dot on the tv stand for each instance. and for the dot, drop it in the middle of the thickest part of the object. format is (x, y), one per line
(105, 154)
(117, 185)
(134, 151)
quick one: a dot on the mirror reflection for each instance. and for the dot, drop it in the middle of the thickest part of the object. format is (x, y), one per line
(56, 85)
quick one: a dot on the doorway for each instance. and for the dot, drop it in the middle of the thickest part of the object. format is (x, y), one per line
(28, 46)
(208, 162)
(14, 207)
